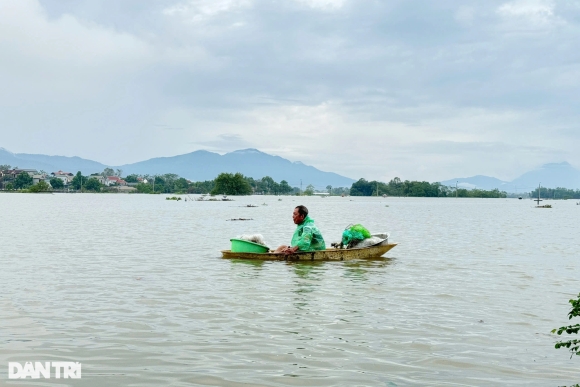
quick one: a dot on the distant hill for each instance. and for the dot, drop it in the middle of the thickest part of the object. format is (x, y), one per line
(196, 166)
(551, 175)
(50, 163)
(204, 165)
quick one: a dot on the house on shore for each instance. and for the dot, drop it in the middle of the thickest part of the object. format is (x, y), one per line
(66, 177)
(12, 173)
(100, 178)
(114, 180)
(40, 177)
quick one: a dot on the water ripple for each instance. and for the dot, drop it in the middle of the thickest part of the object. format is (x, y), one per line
(133, 287)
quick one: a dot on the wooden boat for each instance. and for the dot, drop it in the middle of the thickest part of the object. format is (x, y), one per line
(375, 251)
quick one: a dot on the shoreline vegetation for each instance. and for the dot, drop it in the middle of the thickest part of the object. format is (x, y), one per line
(110, 181)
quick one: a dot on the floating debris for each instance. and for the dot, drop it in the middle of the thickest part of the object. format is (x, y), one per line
(173, 198)
(250, 205)
(240, 219)
(545, 206)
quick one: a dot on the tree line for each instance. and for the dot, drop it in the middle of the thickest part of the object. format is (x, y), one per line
(556, 193)
(223, 184)
(238, 184)
(397, 187)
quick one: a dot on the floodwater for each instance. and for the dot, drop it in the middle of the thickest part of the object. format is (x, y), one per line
(133, 287)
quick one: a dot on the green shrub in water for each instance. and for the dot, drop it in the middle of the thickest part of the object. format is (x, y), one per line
(573, 345)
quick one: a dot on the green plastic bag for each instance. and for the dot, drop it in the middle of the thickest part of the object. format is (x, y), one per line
(354, 234)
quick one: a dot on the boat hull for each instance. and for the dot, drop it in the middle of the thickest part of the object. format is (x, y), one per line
(321, 255)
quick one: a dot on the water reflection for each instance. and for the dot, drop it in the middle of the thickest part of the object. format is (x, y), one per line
(256, 263)
(307, 270)
(252, 267)
(359, 270)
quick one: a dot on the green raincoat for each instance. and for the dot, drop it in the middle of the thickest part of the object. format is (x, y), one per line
(307, 236)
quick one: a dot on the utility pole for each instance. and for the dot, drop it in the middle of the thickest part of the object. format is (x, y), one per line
(153, 184)
(300, 186)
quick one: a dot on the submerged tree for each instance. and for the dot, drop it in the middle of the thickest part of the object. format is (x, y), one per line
(78, 181)
(144, 188)
(56, 183)
(361, 188)
(24, 180)
(132, 178)
(230, 184)
(41, 186)
(93, 185)
(285, 187)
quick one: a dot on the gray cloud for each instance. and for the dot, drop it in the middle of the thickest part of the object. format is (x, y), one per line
(310, 80)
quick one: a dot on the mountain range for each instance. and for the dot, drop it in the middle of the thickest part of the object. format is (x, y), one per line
(551, 175)
(196, 166)
(204, 165)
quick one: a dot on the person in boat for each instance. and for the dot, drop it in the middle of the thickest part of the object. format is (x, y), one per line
(307, 236)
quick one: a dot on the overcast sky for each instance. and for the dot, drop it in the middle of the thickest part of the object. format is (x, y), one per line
(418, 89)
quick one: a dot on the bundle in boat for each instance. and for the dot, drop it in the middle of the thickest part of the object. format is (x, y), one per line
(374, 240)
(357, 236)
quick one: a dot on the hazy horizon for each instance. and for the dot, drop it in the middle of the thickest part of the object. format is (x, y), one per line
(554, 173)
